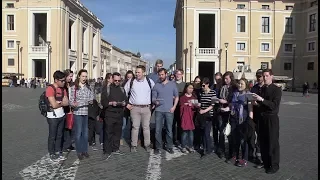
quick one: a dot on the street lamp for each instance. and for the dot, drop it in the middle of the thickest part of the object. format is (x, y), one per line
(226, 46)
(49, 49)
(18, 44)
(293, 66)
(190, 44)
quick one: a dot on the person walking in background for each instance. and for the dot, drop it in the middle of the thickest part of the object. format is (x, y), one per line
(80, 96)
(188, 103)
(172, 77)
(138, 91)
(68, 134)
(154, 76)
(113, 100)
(305, 89)
(162, 96)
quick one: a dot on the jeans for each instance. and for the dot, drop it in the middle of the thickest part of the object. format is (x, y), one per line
(161, 119)
(187, 138)
(81, 133)
(56, 126)
(68, 137)
(125, 127)
(207, 140)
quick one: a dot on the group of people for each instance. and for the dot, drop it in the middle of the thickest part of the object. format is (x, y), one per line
(184, 114)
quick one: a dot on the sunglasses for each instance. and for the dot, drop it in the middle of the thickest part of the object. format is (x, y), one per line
(116, 80)
(62, 80)
(203, 85)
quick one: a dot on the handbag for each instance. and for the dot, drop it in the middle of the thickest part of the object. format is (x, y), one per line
(227, 129)
(70, 118)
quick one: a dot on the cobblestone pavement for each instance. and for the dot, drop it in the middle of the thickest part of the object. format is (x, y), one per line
(24, 144)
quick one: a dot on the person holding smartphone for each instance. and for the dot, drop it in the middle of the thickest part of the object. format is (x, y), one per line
(80, 96)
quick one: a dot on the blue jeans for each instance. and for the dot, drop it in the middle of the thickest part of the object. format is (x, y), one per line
(207, 140)
(81, 133)
(56, 127)
(161, 119)
(125, 127)
(187, 138)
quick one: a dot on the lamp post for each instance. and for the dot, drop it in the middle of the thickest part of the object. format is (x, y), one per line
(49, 50)
(190, 44)
(226, 46)
(18, 44)
(293, 66)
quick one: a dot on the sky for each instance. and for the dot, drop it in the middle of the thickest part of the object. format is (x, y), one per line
(138, 25)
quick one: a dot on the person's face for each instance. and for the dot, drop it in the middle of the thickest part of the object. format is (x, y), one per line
(205, 86)
(217, 78)
(179, 75)
(227, 80)
(116, 80)
(242, 85)
(61, 82)
(189, 89)
(139, 73)
(69, 78)
(110, 80)
(162, 76)
(83, 77)
(259, 79)
(267, 78)
(158, 66)
(197, 81)
(172, 77)
(129, 76)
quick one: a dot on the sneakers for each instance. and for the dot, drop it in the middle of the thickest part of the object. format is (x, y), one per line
(184, 150)
(101, 146)
(118, 152)
(191, 150)
(86, 155)
(94, 148)
(148, 149)
(71, 148)
(61, 157)
(170, 150)
(121, 142)
(156, 151)
(80, 156)
(54, 158)
(133, 149)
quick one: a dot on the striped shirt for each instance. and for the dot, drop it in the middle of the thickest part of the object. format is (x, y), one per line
(206, 100)
(83, 96)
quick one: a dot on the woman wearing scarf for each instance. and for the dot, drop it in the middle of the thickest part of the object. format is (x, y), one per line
(241, 110)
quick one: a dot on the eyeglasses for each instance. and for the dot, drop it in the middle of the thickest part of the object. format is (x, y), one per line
(116, 80)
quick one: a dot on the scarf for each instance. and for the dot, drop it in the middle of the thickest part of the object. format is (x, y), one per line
(224, 92)
(238, 101)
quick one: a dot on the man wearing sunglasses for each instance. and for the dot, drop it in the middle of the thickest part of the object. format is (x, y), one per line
(57, 98)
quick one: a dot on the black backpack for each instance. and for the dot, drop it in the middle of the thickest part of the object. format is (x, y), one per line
(44, 104)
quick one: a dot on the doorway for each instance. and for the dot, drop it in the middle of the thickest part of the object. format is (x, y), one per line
(207, 69)
(39, 68)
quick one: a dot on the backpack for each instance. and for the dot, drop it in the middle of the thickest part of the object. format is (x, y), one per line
(131, 84)
(44, 104)
(108, 90)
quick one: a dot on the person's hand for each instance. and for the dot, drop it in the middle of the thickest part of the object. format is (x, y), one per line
(130, 107)
(254, 103)
(172, 109)
(91, 102)
(257, 97)
(75, 104)
(202, 111)
(222, 101)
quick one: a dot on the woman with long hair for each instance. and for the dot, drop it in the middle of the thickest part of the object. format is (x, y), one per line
(241, 111)
(80, 96)
(129, 75)
(197, 86)
(226, 94)
(68, 134)
(107, 80)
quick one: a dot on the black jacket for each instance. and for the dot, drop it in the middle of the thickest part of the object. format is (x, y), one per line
(115, 94)
(94, 110)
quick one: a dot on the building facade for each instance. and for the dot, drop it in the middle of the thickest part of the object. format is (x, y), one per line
(52, 35)
(105, 57)
(222, 35)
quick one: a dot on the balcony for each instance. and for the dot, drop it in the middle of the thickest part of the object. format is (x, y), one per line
(72, 53)
(95, 58)
(85, 56)
(207, 51)
(38, 49)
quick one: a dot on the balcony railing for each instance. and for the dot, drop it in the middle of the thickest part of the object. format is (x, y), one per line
(39, 49)
(94, 58)
(207, 51)
(85, 56)
(72, 53)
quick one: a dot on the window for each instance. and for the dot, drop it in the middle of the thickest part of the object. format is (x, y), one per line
(10, 5)
(289, 25)
(265, 47)
(311, 46)
(241, 6)
(10, 62)
(10, 44)
(313, 3)
(288, 47)
(312, 22)
(310, 66)
(241, 46)
(264, 65)
(10, 22)
(265, 6)
(241, 24)
(287, 66)
(289, 7)
(265, 24)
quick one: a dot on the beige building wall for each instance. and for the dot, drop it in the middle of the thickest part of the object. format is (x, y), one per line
(186, 23)
(34, 56)
(105, 57)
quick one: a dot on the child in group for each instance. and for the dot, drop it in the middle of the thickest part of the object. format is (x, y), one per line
(188, 103)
